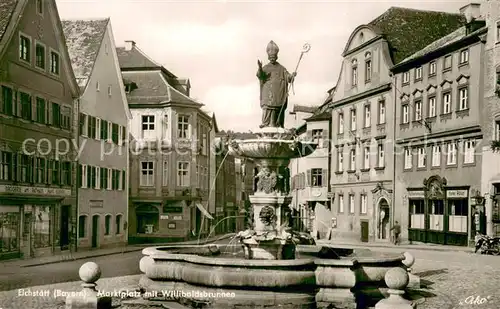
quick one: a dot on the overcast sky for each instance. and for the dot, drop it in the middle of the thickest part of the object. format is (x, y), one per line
(217, 43)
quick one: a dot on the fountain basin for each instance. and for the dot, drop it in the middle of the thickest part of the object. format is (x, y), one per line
(311, 281)
(268, 148)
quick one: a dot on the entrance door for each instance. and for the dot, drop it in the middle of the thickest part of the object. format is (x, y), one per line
(364, 231)
(64, 237)
(95, 230)
(27, 235)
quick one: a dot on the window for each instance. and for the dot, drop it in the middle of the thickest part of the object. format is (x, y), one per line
(103, 178)
(123, 182)
(380, 155)
(317, 177)
(469, 151)
(24, 48)
(128, 88)
(114, 133)
(118, 227)
(368, 69)
(418, 73)
(66, 173)
(447, 63)
(183, 174)
(107, 225)
(66, 117)
(182, 126)
(408, 158)
(148, 126)
(406, 113)
(83, 171)
(25, 106)
(353, 120)
(165, 173)
(6, 164)
(147, 174)
(432, 68)
(421, 157)
(406, 77)
(463, 99)
(54, 63)
(115, 182)
(436, 155)
(92, 127)
(458, 213)
(354, 72)
(340, 159)
(381, 112)
(109, 90)
(82, 224)
(497, 130)
(39, 7)
(364, 204)
(418, 110)
(24, 169)
(498, 31)
(446, 103)
(317, 137)
(40, 110)
(40, 172)
(451, 157)
(123, 138)
(464, 56)
(56, 172)
(417, 212)
(7, 100)
(104, 130)
(341, 203)
(97, 86)
(341, 123)
(366, 157)
(56, 115)
(432, 107)
(368, 120)
(40, 56)
(83, 124)
(352, 163)
(351, 203)
(165, 127)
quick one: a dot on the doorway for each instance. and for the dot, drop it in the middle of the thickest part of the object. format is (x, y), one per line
(64, 236)
(364, 231)
(383, 220)
(95, 231)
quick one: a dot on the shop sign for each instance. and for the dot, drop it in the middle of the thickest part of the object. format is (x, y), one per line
(415, 194)
(163, 217)
(96, 203)
(456, 194)
(34, 190)
(177, 218)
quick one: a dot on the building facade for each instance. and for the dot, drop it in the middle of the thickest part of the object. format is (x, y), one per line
(226, 210)
(102, 134)
(363, 130)
(37, 123)
(170, 156)
(438, 131)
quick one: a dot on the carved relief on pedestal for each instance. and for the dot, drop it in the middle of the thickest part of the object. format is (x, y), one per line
(267, 216)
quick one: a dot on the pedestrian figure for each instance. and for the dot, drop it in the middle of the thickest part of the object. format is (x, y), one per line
(397, 230)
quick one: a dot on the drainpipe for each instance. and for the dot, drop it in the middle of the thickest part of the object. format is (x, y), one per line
(394, 174)
(77, 221)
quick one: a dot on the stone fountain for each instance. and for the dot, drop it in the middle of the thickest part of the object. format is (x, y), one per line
(272, 270)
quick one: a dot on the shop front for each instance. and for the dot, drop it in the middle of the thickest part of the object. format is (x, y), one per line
(439, 213)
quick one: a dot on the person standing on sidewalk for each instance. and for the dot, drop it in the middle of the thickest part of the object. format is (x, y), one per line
(397, 230)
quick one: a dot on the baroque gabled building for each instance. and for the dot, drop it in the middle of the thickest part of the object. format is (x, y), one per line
(38, 102)
(170, 152)
(102, 135)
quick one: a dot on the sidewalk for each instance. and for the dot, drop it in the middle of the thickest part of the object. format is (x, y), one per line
(414, 246)
(80, 255)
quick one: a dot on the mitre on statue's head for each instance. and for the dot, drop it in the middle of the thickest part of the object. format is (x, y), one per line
(272, 49)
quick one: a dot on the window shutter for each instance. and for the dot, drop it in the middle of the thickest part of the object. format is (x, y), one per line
(308, 178)
(325, 177)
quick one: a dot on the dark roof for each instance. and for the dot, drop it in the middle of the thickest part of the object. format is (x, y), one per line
(408, 30)
(83, 39)
(326, 115)
(7, 8)
(303, 109)
(134, 58)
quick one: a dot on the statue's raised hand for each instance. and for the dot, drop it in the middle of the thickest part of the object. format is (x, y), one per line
(259, 63)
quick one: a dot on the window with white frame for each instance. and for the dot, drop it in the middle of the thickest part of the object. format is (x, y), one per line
(418, 73)
(418, 110)
(464, 56)
(84, 176)
(317, 137)
(147, 174)
(432, 107)
(380, 155)
(406, 113)
(341, 123)
(469, 151)
(165, 127)
(183, 174)
(432, 68)
(497, 130)
(353, 120)
(341, 203)
(447, 63)
(463, 99)
(340, 159)
(381, 112)
(165, 173)
(366, 157)
(436, 155)
(408, 158)
(451, 153)
(421, 156)
(368, 120)
(354, 72)
(447, 103)
(148, 126)
(364, 204)
(352, 163)
(351, 203)
(498, 31)
(182, 126)
(368, 70)
(406, 77)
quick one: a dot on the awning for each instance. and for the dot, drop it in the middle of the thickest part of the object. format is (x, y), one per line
(204, 211)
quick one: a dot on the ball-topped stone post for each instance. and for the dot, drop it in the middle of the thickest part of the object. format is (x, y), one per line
(396, 280)
(88, 297)
(408, 262)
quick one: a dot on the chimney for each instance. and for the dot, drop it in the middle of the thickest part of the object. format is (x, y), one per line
(129, 45)
(471, 11)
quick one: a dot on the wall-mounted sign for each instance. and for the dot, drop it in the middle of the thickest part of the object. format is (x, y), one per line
(177, 218)
(172, 209)
(163, 217)
(96, 203)
(35, 190)
(171, 225)
(416, 194)
(456, 193)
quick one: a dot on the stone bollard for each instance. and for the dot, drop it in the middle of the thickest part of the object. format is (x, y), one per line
(396, 280)
(414, 282)
(88, 298)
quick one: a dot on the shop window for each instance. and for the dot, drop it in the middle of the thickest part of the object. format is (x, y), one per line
(436, 214)
(42, 226)
(458, 213)
(82, 227)
(9, 232)
(417, 214)
(107, 225)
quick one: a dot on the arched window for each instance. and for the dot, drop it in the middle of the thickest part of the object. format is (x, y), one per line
(82, 226)
(118, 228)
(368, 67)
(354, 73)
(107, 225)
